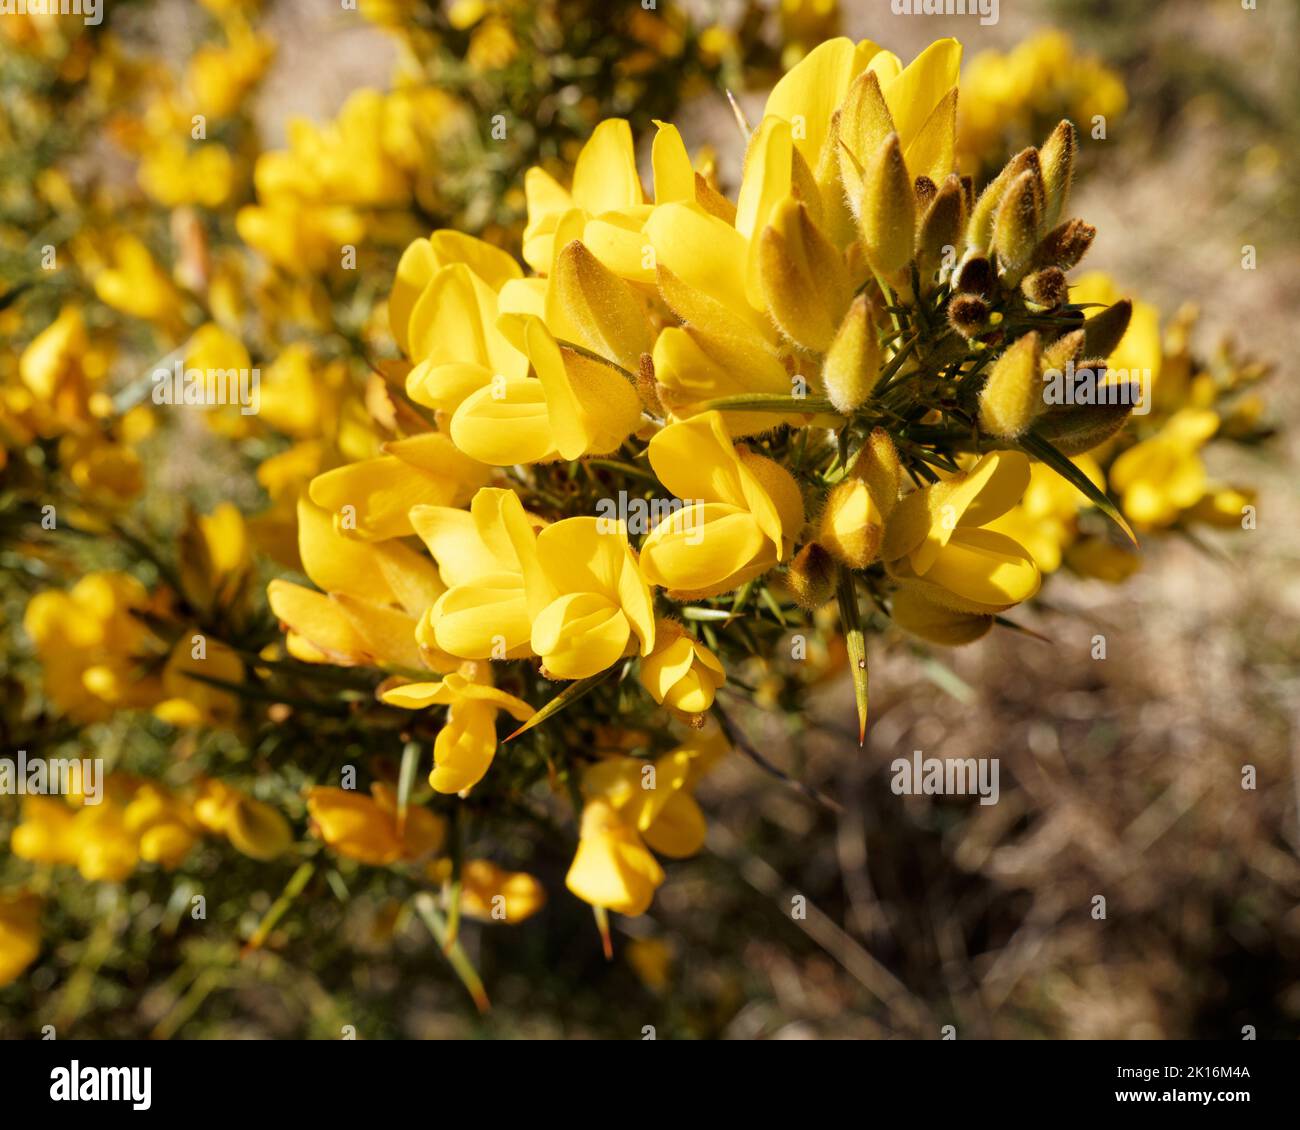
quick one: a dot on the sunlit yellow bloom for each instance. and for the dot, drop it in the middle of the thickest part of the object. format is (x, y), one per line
(463, 749)
(633, 803)
(373, 498)
(366, 828)
(377, 591)
(484, 612)
(936, 541)
(1044, 519)
(174, 173)
(681, 673)
(91, 645)
(612, 867)
(587, 600)
(740, 517)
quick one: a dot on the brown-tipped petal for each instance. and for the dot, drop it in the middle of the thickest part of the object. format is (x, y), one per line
(941, 227)
(1103, 332)
(811, 578)
(1065, 245)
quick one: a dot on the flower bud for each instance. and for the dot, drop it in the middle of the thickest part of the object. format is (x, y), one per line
(811, 577)
(979, 232)
(852, 364)
(968, 314)
(878, 466)
(1066, 348)
(975, 276)
(1065, 245)
(1104, 331)
(861, 125)
(1075, 428)
(1047, 288)
(603, 308)
(1057, 155)
(941, 227)
(1016, 224)
(851, 525)
(888, 214)
(805, 283)
(1013, 395)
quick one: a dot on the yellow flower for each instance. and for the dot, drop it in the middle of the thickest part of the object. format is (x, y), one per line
(252, 827)
(1158, 478)
(463, 749)
(492, 894)
(740, 514)
(587, 599)
(484, 612)
(631, 804)
(372, 499)
(875, 96)
(612, 867)
(681, 673)
(377, 591)
(162, 824)
(135, 285)
(366, 828)
(174, 173)
(937, 544)
(91, 645)
(20, 933)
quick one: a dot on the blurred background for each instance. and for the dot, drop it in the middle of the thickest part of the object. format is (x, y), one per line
(1121, 777)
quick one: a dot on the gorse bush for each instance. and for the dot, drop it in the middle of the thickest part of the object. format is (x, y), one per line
(544, 470)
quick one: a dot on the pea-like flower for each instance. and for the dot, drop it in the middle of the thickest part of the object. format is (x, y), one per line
(741, 512)
(681, 673)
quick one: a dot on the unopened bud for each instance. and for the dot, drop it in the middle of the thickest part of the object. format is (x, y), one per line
(1057, 155)
(804, 280)
(1065, 245)
(1104, 331)
(968, 314)
(852, 365)
(1047, 288)
(1013, 394)
(851, 525)
(1016, 225)
(811, 577)
(888, 219)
